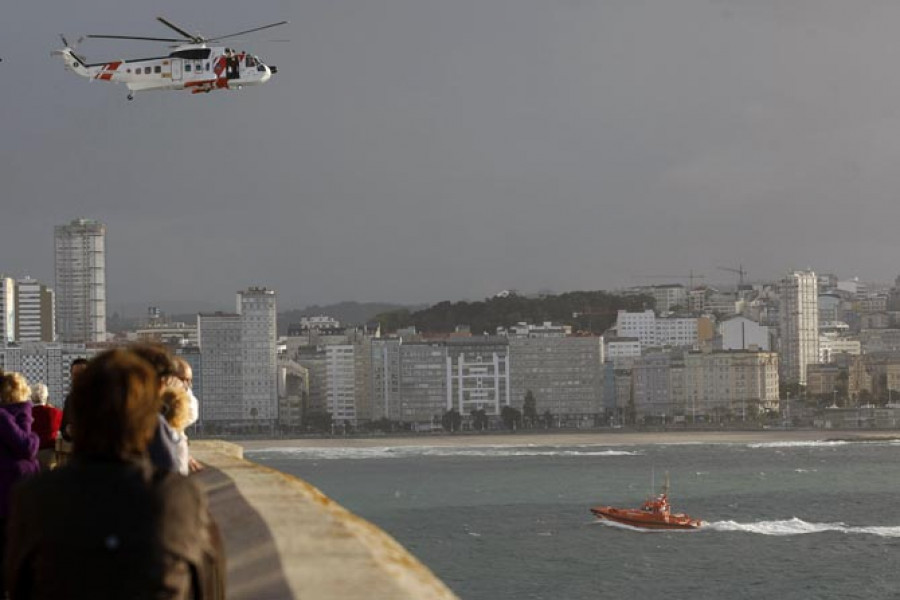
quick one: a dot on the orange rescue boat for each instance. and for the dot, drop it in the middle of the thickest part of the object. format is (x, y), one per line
(654, 513)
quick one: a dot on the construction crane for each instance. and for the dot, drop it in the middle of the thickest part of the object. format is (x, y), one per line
(740, 272)
(690, 277)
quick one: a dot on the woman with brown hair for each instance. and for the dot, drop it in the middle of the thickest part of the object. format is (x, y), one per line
(107, 524)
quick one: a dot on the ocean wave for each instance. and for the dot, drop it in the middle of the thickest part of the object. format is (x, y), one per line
(434, 451)
(797, 526)
(825, 443)
(802, 444)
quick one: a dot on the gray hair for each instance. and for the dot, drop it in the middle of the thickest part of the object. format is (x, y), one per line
(39, 393)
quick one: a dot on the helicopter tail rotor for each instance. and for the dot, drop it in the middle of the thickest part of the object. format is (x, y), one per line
(70, 49)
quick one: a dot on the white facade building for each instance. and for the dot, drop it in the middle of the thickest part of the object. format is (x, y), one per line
(35, 312)
(259, 355)
(740, 333)
(799, 325)
(81, 281)
(340, 389)
(655, 331)
(831, 344)
(7, 310)
(640, 325)
(621, 350)
(478, 375)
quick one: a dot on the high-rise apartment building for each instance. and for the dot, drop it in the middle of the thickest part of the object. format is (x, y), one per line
(477, 374)
(7, 310)
(259, 353)
(239, 364)
(45, 363)
(340, 375)
(219, 336)
(563, 374)
(799, 325)
(81, 281)
(409, 381)
(35, 312)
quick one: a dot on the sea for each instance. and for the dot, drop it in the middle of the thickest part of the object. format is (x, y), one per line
(783, 519)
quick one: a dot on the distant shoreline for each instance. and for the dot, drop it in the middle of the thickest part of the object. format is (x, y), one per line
(577, 439)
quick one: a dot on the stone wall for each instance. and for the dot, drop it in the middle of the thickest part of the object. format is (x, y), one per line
(286, 539)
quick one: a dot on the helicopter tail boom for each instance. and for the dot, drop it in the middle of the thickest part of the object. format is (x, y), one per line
(73, 62)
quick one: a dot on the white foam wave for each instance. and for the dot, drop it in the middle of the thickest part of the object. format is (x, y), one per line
(800, 444)
(439, 451)
(797, 526)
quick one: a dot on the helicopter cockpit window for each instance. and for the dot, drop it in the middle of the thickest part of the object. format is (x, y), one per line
(251, 61)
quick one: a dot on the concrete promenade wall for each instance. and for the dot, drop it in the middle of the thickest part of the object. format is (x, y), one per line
(285, 539)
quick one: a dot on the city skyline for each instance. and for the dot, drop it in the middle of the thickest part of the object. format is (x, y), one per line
(420, 151)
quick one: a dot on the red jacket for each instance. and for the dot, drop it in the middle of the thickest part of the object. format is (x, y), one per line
(46, 424)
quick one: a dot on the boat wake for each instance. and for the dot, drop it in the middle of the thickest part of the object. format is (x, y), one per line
(797, 526)
(617, 525)
(431, 451)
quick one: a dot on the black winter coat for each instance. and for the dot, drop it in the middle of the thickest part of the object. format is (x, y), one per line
(111, 529)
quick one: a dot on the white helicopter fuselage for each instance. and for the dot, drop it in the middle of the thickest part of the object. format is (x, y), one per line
(195, 67)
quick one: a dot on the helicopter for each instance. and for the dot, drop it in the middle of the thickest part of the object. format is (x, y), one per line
(193, 64)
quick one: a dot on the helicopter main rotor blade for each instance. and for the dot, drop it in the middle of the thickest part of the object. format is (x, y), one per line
(136, 37)
(230, 35)
(192, 36)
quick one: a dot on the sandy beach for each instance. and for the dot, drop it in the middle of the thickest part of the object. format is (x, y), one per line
(578, 439)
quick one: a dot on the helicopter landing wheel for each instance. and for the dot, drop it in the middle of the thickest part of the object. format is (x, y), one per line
(130, 97)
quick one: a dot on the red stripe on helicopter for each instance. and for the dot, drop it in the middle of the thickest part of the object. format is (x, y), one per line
(105, 73)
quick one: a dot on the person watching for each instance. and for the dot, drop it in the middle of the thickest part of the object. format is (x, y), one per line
(18, 444)
(47, 420)
(108, 524)
(77, 366)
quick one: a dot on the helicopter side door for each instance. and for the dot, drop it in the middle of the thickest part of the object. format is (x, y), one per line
(176, 69)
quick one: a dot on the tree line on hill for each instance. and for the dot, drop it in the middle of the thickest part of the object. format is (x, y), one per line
(586, 311)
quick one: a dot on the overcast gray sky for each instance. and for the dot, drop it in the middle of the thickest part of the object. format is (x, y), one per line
(419, 150)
